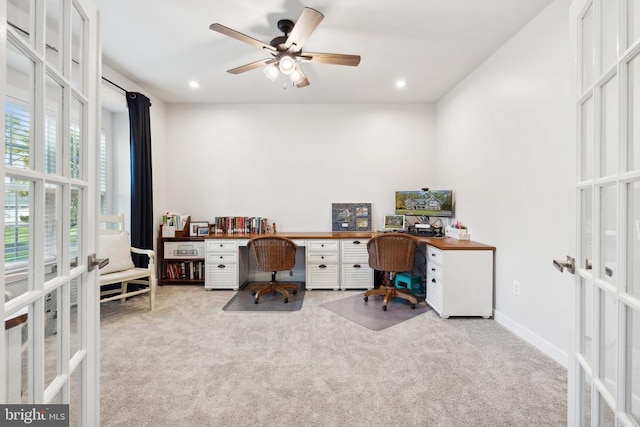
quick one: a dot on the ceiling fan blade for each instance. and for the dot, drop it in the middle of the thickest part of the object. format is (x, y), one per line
(306, 24)
(330, 58)
(239, 36)
(251, 66)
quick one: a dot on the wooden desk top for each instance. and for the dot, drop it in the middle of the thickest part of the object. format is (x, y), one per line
(444, 243)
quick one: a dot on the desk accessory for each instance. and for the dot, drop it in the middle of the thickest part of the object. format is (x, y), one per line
(457, 233)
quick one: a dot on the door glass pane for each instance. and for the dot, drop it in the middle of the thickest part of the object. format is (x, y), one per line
(633, 21)
(15, 334)
(609, 151)
(19, 17)
(633, 102)
(17, 235)
(586, 300)
(633, 362)
(75, 316)
(587, 49)
(77, 49)
(75, 229)
(51, 335)
(608, 235)
(586, 227)
(52, 230)
(52, 125)
(585, 398)
(607, 418)
(18, 109)
(54, 34)
(608, 341)
(609, 33)
(587, 140)
(74, 400)
(633, 241)
(75, 138)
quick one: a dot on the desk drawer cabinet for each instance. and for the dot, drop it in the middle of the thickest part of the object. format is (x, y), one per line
(460, 282)
(221, 266)
(322, 264)
(354, 265)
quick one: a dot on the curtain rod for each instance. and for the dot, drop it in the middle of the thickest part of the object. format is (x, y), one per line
(114, 84)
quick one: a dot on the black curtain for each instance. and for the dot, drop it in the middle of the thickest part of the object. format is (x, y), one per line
(141, 177)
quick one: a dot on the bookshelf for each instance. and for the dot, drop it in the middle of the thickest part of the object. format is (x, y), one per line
(181, 259)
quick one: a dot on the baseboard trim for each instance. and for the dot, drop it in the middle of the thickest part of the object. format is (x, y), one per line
(538, 342)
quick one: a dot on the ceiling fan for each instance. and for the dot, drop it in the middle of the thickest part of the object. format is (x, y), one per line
(286, 51)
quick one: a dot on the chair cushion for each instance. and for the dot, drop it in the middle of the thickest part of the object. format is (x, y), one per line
(116, 248)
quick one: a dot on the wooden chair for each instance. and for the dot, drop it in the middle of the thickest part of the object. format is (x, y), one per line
(114, 244)
(273, 253)
(393, 253)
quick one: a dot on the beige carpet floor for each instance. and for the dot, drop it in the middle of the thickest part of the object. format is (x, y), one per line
(189, 363)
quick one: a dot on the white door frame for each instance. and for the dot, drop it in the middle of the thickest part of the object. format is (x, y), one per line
(600, 376)
(75, 371)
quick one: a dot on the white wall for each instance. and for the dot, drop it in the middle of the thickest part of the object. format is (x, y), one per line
(291, 162)
(503, 145)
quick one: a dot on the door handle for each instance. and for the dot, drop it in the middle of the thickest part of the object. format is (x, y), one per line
(569, 264)
(94, 262)
(589, 266)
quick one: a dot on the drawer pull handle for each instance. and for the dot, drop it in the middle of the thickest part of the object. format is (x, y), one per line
(221, 257)
(433, 254)
(221, 266)
(433, 280)
(433, 269)
(322, 257)
(322, 266)
(356, 242)
(322, 245)
(357, 266)
(221, 245)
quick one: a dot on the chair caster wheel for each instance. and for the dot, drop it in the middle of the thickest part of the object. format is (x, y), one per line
(286, 300)
(413, 306)
(295, 291)
(253, 293)
(255, 301)
(366, 299)
(384, 308)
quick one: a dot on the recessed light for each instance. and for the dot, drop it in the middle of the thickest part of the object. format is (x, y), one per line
(401, 83)
(193, 84)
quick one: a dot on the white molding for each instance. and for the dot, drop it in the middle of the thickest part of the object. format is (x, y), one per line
(538, 342)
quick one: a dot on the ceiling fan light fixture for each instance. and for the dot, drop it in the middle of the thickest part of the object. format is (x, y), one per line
(297, 76)
(272, 72)
(287, 64)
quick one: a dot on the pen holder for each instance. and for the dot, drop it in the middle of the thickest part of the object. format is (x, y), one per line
(457, 233)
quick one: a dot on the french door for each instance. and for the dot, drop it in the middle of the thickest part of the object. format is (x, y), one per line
(49, 66)
(605, 377)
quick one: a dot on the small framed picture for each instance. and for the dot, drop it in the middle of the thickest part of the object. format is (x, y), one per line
(195, 226)
(203, 231)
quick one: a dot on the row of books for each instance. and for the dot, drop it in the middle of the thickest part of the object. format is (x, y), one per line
(242, 225)
(192, 270)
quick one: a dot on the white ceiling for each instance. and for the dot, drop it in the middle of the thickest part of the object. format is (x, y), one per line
(432, 44)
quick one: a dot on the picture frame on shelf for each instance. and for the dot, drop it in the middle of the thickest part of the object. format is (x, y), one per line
(194, 227)
(203, 231)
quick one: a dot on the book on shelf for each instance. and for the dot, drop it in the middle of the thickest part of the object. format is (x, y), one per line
(185, 270)
(241, 225)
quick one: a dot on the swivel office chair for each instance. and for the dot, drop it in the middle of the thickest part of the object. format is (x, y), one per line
(273, 253)
(393, 253)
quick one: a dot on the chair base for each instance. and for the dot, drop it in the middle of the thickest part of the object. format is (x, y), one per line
(390, 291)
(259, 289)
